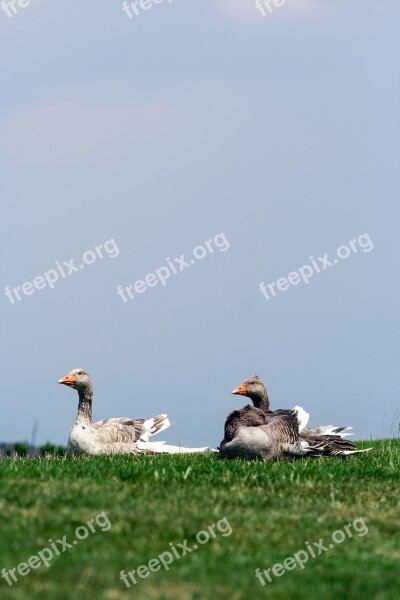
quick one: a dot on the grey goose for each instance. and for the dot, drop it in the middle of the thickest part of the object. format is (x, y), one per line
(113, 436)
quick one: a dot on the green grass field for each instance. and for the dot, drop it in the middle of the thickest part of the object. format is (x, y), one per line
(269, 509)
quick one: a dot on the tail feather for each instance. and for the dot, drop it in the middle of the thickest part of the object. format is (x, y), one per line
(331, 445)
(347, 452)
(153, 426)
(311, 450)
(328, 430)
(302, 417)
(163, 448)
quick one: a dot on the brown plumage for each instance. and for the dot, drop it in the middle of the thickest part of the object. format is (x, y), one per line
(252, 434)
(290, 425)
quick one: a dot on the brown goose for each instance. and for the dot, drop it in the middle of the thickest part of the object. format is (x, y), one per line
(327, 439)
(252, 434)
(113, 436)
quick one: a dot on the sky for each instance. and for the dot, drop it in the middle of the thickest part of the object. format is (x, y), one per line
(194, 194)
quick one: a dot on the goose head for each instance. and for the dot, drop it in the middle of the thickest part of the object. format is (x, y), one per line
(79, 379)
(252, 388)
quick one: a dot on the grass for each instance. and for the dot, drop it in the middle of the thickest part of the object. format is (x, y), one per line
(272, 508)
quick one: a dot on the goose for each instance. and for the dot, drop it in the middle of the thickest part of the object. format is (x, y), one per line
(113, 436)
(252, 434)
(327, 439)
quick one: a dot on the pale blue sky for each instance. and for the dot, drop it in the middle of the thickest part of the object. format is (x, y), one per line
(161, 131)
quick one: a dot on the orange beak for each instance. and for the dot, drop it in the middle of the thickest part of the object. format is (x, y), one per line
(241, 390)
(68, 379)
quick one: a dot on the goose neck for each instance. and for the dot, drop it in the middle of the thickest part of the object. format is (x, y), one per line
(85, 405)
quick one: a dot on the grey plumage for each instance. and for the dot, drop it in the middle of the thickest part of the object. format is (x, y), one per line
(250, 433)
(283, 433)
(113, 436)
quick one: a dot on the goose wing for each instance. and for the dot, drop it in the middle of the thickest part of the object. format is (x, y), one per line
(127, 430)
(119, 430)
(282, 428)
